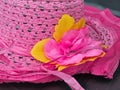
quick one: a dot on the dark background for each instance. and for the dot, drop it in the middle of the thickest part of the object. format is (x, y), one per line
(89, 82)
(114, 5)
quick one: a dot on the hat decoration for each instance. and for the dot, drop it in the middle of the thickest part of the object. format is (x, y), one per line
(70, 45)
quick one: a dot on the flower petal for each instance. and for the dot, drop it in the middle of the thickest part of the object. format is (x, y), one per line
(60, 68)
(66, 41)
(71, 60)
(64, 25)
(81, 39)
(52, 50)
(91, 58)
(74, 39)
(79, 24)
(70, 35)
(93, 53)
(77, 45)
(38, 51)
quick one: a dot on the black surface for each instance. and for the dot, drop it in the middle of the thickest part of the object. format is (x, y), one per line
(113, 4)
(89, 82)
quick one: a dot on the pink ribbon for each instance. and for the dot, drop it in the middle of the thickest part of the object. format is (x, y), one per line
(67, 78)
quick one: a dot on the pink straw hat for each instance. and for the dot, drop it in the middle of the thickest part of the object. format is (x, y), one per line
(23, 23)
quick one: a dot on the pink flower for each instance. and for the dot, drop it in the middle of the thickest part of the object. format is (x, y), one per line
(69, 46)
(73, 48)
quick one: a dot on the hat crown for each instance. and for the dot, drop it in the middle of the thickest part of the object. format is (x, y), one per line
(25, 22)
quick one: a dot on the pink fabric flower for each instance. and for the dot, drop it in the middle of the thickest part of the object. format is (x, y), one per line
(74, 46)
(69, 46)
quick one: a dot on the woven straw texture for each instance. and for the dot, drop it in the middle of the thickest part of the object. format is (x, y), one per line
(22, 24)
